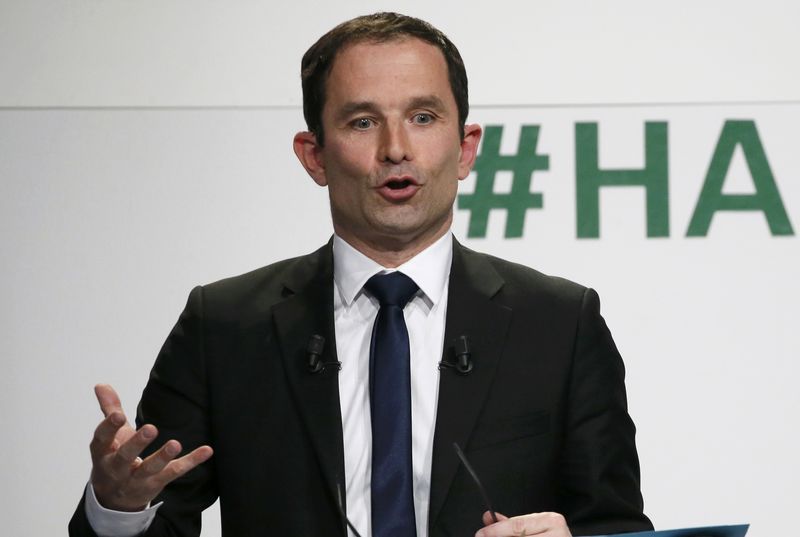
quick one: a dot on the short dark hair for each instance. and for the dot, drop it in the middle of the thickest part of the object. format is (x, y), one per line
(379, 28)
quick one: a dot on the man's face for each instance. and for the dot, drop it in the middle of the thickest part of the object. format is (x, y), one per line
(393, 154)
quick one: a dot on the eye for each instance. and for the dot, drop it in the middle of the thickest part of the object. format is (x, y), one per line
(362, 123)
(422, 118)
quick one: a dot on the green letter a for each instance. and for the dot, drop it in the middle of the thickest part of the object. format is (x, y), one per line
(766, 197)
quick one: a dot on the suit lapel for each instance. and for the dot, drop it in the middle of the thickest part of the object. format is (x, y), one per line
(470, 312)
(308, 310)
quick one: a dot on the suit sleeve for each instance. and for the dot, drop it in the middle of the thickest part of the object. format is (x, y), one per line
(599, 476)
(176, 401)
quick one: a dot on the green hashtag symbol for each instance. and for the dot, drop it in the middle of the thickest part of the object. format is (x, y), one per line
(520, 199)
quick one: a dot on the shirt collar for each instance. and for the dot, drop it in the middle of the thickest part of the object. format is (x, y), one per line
(430, 269)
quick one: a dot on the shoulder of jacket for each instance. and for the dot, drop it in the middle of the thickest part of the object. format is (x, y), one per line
(263, 286)
(523, 280)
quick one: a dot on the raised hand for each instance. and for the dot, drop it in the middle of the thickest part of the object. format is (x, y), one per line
(122, 481)
(544, 524)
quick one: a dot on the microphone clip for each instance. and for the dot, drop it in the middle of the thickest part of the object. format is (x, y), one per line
(461, 362)
(314, 350)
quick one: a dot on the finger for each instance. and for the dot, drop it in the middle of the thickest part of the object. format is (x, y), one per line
(129, 451)
(185, 464)
(105, 433)
(178, 467)
(158, 461)
(487, 518)
(108, 399)
(533, 524)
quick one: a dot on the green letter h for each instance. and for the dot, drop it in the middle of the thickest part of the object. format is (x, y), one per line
(654, 177)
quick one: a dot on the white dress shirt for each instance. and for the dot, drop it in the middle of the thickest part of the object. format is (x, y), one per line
(354, 314)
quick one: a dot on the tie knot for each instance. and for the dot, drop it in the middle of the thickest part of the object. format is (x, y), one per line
(392, 289)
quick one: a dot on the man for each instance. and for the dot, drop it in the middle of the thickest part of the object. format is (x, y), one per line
(252, 367)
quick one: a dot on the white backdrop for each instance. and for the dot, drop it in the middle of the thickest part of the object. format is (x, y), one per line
(145, 148)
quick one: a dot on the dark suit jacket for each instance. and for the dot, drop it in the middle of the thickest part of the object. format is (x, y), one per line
(543, 415)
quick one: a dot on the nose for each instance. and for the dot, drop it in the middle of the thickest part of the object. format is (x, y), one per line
(395, 145)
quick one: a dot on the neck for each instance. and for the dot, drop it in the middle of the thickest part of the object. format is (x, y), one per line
(391, 252)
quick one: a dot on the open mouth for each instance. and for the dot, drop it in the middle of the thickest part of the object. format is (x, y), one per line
(399, 189)
(399, 184)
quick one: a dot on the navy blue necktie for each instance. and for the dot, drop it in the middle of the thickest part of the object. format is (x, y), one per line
(390, 404)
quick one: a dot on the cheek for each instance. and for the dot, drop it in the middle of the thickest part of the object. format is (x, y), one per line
(447, 168)
(347, 157)
(345, 185)
(446, 193)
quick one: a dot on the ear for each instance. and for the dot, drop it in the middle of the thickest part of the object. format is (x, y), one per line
(309, 153)
(469, 149)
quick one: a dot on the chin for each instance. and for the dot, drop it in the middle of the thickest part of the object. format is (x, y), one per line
(408, 232)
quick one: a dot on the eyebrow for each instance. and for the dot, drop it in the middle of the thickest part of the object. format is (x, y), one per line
(353, 108)
(428, 101)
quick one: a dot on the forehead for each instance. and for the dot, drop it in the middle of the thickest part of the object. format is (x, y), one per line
(392, 46)
(397, 65)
